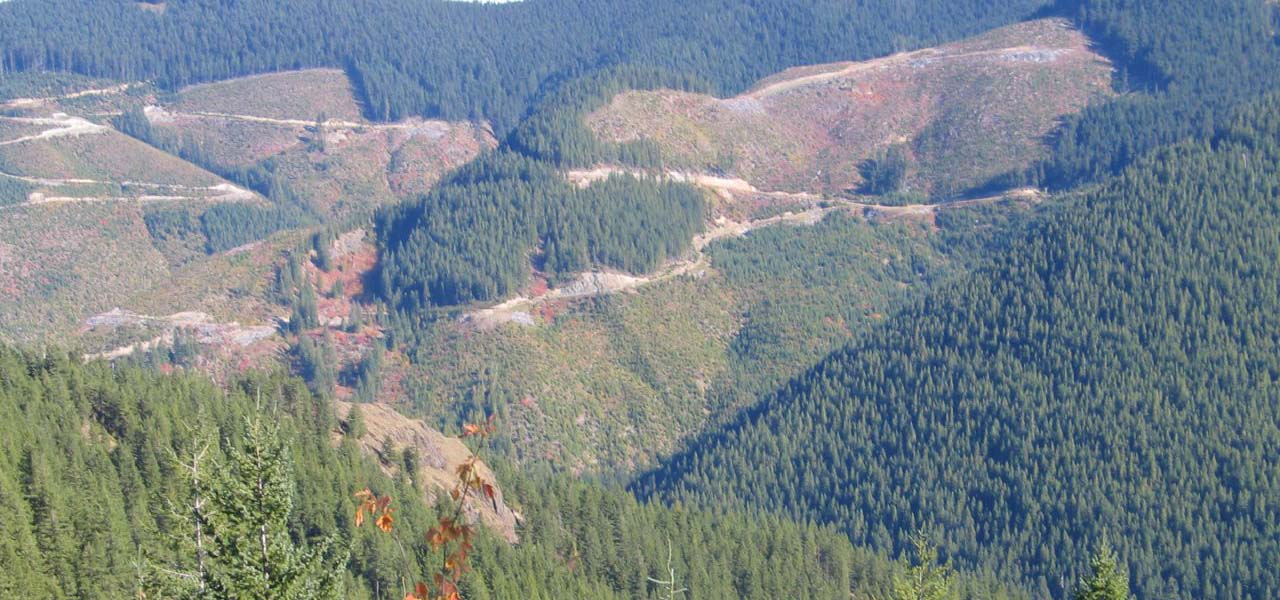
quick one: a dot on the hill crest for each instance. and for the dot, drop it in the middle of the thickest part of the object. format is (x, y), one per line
(960, 115)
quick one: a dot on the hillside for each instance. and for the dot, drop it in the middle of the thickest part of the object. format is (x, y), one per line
(305, 128)
(103, 470)
(1111, 370)
(466, 61)
(615, 377)
(93, 220)
(389, 436)
(768, 299)
(56, 157)
(956, 116)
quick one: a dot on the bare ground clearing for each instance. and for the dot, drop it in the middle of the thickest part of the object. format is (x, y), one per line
(63, 125)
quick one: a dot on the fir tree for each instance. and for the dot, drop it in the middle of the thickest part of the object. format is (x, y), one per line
(355, 319)
(1107, 579)
(926, 579)
(354, 426)
(253, 556)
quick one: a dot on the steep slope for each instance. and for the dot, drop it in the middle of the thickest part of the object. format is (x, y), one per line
(305, 129)
(67, 158)
(1110, 372)
(608, 372)
(93, 220)
(390, 436)
(955, 117)
(63, 263)
(60, 264)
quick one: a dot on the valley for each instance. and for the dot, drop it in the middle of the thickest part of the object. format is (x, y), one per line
(321, 156)
(713, 299)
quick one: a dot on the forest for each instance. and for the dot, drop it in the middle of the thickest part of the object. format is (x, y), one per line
(464, 61)
(472, 238)
(1102, 369)
(102, 472)
(1111, 370)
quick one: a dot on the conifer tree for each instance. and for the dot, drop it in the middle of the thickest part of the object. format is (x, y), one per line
(253, 556)
(1107, 579)
(355, 319)
(925, 579)
(355, 427)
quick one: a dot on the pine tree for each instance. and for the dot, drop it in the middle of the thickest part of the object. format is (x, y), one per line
(925, 579)
(305, 314)
(355, 319)
(355, 423)
(321, 132)
(1107, 580)
(252, 555)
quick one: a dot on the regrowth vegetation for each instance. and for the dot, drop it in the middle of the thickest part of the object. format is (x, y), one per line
(469, 61)
(1130, 330)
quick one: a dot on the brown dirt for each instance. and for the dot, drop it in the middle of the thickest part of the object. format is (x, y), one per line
(439, 457)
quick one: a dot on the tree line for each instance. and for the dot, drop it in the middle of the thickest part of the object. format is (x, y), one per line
(463, 61)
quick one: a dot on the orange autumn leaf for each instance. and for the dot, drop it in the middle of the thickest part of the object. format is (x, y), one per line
(360, 516)
(384, 522)
(436, 538)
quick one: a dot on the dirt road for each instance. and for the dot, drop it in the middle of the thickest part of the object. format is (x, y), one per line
(518, 309)
(63, 125)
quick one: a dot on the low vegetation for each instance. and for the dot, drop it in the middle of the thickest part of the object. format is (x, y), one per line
(948, 119)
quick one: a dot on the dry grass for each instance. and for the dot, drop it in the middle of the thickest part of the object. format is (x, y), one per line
(61, 264)
(967, 112)
(289, 95)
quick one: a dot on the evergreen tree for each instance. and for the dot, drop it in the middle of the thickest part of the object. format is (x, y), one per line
(253, 556)
(318, 141)
(306, 312)
(1107, 579)
(354, 426)
(355, 319)
(925, 579)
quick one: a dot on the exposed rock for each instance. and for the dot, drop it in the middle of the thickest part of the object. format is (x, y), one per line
(438, 459)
